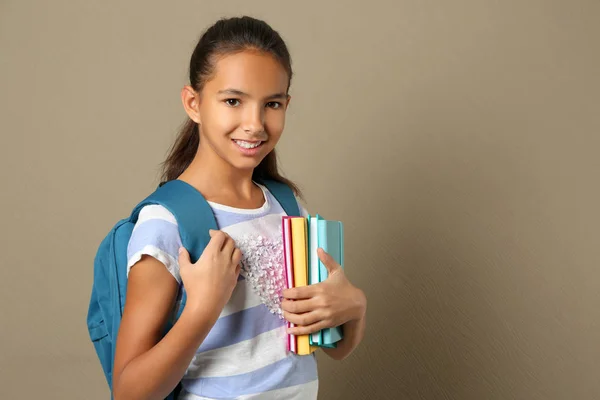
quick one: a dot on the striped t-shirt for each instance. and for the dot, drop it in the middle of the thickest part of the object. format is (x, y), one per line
(244, 355)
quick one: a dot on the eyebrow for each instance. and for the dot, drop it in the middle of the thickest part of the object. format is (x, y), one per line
(236, 92)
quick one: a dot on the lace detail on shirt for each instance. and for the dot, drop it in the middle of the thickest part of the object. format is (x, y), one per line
(262, 266)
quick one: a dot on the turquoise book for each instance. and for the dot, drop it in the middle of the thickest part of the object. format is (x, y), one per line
(329, 235)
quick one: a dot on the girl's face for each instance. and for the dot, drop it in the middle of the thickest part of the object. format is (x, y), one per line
(242, 108)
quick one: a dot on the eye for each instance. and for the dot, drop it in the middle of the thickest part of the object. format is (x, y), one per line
(274, 104)
(232, 102)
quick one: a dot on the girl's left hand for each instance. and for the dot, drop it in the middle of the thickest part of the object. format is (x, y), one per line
(327, 304)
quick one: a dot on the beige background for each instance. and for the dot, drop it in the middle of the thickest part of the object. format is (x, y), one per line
(457, 140)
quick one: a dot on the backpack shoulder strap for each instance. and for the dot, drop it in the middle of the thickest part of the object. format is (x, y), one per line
(191, 210)
(284, 195)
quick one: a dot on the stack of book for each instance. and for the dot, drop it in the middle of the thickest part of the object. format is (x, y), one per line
(301, 239)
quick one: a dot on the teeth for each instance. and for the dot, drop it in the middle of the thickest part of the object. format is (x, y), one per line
(247, 145)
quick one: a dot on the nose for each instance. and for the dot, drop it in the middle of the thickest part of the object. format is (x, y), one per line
(254, 120)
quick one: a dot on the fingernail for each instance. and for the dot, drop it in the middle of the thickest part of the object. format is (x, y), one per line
(180, 250)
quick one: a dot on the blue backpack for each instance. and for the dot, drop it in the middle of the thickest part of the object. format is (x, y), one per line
(194, 217)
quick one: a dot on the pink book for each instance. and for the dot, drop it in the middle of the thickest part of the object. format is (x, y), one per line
(289, 270)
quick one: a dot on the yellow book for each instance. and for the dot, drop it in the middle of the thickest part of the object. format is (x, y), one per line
(300, 257)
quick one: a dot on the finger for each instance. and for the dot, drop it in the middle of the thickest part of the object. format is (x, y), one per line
(228, 247)
(328, 261)
(299, 306)
(236, 257)
(184, 257)
(301, 292)
(304, 319)
(217, 239)
(307, 330)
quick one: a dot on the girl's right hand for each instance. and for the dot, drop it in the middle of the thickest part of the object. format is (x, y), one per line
(211, 280)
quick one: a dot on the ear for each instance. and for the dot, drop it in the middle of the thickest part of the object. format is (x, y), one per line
(287, 102)
(191, 103)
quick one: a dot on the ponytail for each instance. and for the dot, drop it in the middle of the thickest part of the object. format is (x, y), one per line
(182, 153)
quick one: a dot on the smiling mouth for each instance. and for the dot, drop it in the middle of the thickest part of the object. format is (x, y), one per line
(246, 144)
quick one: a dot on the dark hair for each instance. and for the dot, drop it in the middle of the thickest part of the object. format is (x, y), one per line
(227, 36)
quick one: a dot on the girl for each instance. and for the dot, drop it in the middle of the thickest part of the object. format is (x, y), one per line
(229, 342)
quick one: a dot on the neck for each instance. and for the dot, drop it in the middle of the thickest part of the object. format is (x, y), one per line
(214, 177)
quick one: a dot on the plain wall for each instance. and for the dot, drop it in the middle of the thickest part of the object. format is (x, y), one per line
(457, 141)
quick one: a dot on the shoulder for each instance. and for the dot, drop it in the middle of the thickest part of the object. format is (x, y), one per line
(155, 221)
(301, 207)
(156, 234)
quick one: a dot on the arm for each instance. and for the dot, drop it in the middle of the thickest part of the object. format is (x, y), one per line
(146, 366)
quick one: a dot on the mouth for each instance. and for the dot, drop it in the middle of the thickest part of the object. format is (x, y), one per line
(248, 147)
